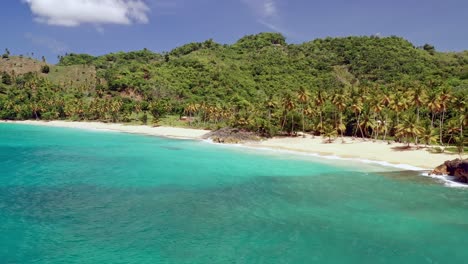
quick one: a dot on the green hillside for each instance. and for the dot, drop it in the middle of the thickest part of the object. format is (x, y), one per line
(363, 86)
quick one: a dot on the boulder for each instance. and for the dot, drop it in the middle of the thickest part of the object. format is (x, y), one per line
(231, 136)
(457, 168)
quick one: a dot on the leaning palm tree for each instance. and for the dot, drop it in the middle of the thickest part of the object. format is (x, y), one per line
(303, 97)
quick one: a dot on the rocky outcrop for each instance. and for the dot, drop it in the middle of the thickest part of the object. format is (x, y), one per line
(231, 136)
(457, 168)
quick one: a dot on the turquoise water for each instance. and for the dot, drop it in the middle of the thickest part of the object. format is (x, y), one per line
(76, 196)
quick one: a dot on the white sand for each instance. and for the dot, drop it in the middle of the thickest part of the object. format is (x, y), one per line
(357, 148)
(173, 132)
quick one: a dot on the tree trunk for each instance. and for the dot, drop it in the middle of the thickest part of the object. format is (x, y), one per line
(385, 127)
(416, 140)
(303, 123)
(442, 117)
(360, 128)
(292, 124)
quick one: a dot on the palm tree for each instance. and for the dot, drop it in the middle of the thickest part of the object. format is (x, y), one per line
(356, 107)
(429, 136)
(398, 105)
(288, 105)
(444, 98)
(190, 109)
(418, 98)
(320, 99)
(340, 101)
(409, 128)
(434, 105)
(460, 105)
(270, 105)
(303, 97)
(329, 132)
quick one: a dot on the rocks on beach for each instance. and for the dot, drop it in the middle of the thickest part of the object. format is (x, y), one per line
(231, 136)
(457, 168)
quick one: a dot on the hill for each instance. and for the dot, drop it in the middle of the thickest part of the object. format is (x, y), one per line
(261, 83)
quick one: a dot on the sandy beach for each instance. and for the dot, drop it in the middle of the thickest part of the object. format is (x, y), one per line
(381, 151)
(173, 132)
(394, 153)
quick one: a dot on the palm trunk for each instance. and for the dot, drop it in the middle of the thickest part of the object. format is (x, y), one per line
(432, 120)
(360, 128)
(417, 120)
(385, 127)
(341, 124)
(321, 122)
(292, 123)
(303, 123)
(442, 117)
(284, 120)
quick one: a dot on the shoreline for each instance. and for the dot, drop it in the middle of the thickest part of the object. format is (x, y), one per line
(379, 152)
(169, 132)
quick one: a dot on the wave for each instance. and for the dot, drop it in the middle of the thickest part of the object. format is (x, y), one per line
(448, 181)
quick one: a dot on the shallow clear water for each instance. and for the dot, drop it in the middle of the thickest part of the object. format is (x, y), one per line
(76, 196)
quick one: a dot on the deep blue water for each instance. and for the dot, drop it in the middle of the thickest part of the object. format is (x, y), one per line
(76, 196)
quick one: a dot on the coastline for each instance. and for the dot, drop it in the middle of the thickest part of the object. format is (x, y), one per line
(170, 132)
(394, 154)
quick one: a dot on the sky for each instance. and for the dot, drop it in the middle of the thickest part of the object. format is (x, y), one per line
(54, 27)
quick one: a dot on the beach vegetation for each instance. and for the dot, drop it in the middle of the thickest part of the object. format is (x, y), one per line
(371, 88)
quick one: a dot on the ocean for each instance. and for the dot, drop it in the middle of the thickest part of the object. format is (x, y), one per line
(81, 196)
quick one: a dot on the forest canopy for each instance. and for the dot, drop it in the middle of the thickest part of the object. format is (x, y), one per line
(365, 86)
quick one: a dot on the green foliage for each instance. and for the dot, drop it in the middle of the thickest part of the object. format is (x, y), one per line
(356, 86)
(6, 78)
(74, 59)
(45, 69)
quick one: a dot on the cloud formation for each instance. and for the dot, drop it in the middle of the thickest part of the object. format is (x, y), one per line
(72, 13)
(267, 14)
(263, 8)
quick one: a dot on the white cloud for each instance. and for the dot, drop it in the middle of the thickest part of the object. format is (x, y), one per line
(263, 8)
(76, 12)
(53, 45)
(268, 14)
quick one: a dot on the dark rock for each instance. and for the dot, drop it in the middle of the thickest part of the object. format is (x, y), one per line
(457, 168)
(231, 136)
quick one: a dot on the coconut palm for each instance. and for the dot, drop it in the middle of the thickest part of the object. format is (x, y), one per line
(409, 128)
(340, 101)
(433, 103)
(356, 106)
(320, 99)
(429, 136)
(329, 132)
(444, 98)
(270, 105)
(303, 97)
(288, 106)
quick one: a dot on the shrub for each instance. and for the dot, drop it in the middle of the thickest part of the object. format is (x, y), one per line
(45, 69)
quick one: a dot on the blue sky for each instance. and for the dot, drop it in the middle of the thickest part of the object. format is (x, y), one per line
(53, 27)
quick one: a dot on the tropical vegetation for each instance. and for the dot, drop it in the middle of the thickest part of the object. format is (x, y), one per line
(369, 87)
